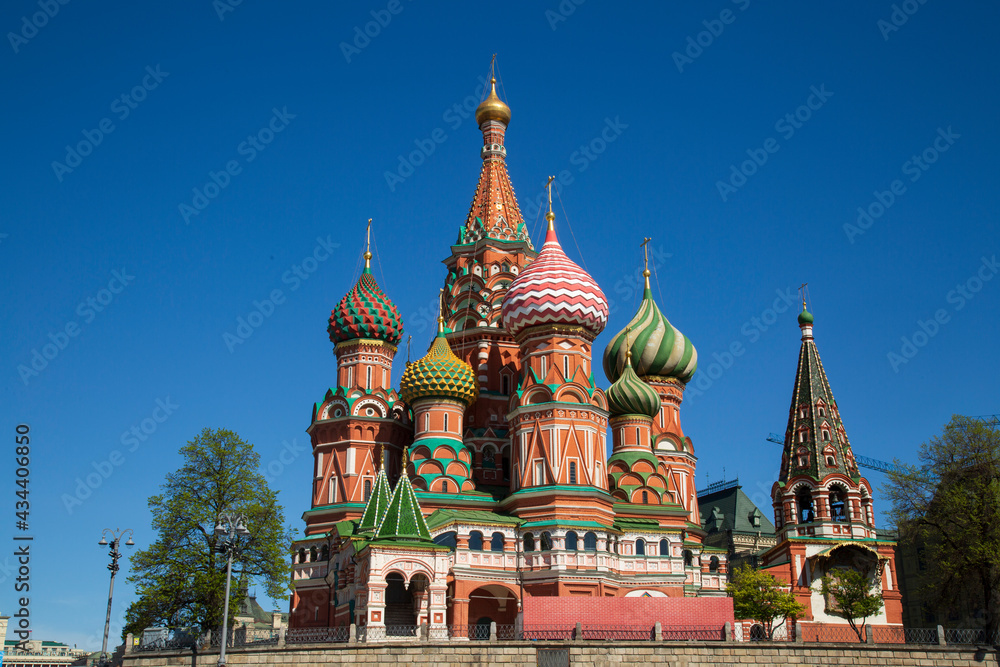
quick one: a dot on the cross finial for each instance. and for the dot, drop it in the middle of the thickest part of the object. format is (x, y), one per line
(802, 293)
(368, 245)
(441, 311)
(408, 339)
(550, 216)
(645, 259)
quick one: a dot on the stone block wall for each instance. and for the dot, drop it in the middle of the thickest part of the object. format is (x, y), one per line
(581, 654)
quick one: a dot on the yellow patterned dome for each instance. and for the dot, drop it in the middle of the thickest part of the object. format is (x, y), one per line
(440, 374)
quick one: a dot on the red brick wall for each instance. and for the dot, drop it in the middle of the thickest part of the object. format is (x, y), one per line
(713, 611)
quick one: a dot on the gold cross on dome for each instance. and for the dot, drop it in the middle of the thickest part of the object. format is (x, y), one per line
(645, 251)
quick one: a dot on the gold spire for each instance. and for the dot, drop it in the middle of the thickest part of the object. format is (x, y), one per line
(493, 108)
(628, 344)
(645, 259)
(406, 459)
(550, 216)
(381, 457)
(368, 246)
(408, 339)
(441, 312)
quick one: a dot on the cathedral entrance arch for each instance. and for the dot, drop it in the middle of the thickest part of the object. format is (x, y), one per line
(492, 603)
(399, 612)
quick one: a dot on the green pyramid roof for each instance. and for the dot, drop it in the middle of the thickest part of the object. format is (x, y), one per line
(377, 505)
(403, 520)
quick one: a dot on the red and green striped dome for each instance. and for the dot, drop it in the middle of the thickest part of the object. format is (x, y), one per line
(366, 312)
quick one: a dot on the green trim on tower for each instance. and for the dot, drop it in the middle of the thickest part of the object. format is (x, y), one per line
(403, 520)
(812, 407)
(377, 505)
(658, 348)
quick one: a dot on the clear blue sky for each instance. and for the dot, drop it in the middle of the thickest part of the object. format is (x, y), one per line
(679, 125)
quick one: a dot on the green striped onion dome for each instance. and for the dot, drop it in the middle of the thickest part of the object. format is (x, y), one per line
(658, 348)
(439, 374)
(365, 312)
(631, 396)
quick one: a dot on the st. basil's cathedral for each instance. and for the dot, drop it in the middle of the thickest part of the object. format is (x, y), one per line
(485, 480)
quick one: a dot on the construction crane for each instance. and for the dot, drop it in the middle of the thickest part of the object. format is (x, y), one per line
(883, 466)
(863, 461)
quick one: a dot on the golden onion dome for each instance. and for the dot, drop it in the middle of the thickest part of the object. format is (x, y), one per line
(493, 108)
(440, 374)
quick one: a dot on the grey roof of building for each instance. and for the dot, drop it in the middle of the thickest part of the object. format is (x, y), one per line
(737, 510)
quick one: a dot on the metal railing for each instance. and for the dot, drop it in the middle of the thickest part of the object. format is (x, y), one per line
(635, 632)
(535, 632)
(712, 633)
(832, 634)
(387, 632)
(313, 635)
(473, 632)
(969, 636)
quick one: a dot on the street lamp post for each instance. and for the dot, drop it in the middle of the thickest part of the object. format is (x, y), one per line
(116, 538)
(228, 527)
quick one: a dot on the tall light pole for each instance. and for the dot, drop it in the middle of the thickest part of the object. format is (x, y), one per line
(116, 538)
(229, 526)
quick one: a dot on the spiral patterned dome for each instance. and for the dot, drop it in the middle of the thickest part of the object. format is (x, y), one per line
(658, 348)
(439, 374)
(365, 312)
(631, 396)
(554, 290)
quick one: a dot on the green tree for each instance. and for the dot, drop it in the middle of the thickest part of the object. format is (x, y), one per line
(181, 578)
(759, 595)
(950, 505)
(851, 592)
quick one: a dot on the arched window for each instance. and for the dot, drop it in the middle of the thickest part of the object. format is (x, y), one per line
(313, 555)
(713, 564)
(804, 499)
(546, 541)
(302, 555)
(688, 558)
(368, 489)
(803, 457)
(838, 504)
(444, 486)
(496, 542)
(325, 553)
(589, 541)
(529, 542)
(826, 434)
(449, 539)
(476, 541)
(571, 541)
(640, 547)
(821, 410)
(645, 497)
(664, 548)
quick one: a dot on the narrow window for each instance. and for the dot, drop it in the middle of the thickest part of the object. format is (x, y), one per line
(496, 542)
(427, 421)
(539, 473)
(566, 366)
(505, 385)
(590, 541)
(446, 423)
(640, 547)
(444, 486)
(319, 464)
(350, 376)
(826, 434)
(333, 490)
(645, 497)
(542, 362)
(572, 472)
(476, 541)
(572, 541)
(638, 441)
(664, 548)
(384, 380)
(368, 379)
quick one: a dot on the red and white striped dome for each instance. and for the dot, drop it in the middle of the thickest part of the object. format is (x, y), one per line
(554, 290)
